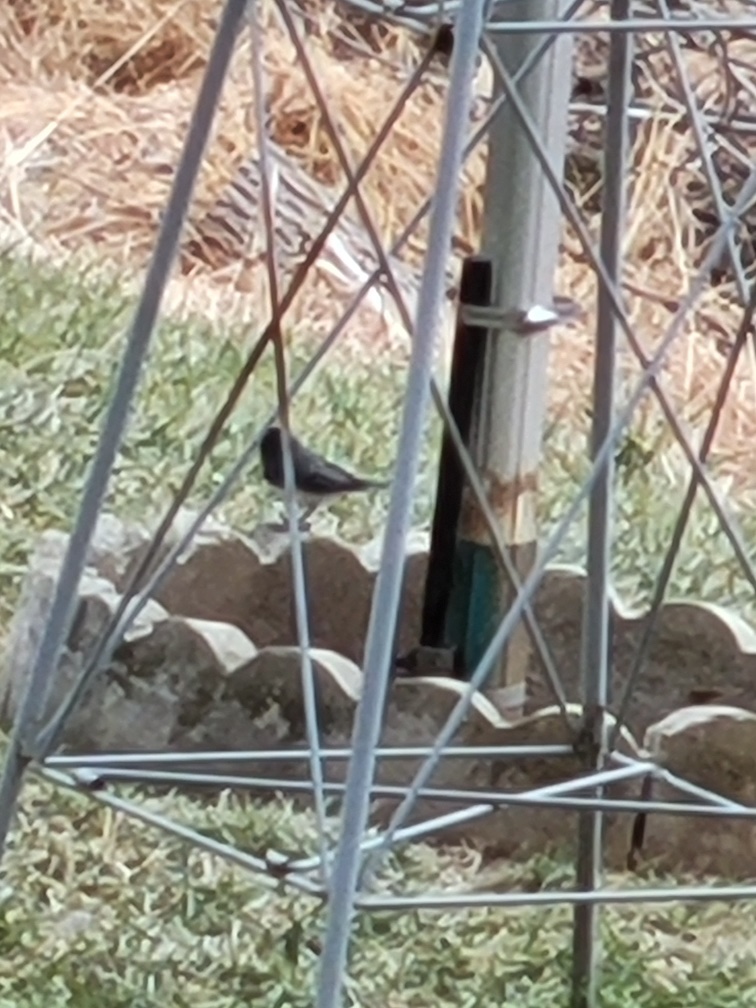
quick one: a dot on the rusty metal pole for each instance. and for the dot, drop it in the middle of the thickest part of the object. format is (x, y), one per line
(521, 232)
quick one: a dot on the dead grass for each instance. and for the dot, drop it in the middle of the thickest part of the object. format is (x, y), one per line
(94, 101)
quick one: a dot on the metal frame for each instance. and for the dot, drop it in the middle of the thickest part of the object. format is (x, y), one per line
(342, 874)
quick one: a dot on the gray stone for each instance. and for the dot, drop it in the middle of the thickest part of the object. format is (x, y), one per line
(712, 747)
(248, 582)
(211, 665)
(696, 646)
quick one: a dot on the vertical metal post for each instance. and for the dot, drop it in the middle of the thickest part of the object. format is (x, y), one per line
(344, 880)
(521, 236)
(596, 650)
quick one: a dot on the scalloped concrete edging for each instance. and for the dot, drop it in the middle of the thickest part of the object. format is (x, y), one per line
(210, 664)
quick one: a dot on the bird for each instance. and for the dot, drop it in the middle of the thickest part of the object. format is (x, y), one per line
(315, 478)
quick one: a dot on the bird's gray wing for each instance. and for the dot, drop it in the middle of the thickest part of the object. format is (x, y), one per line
(318, 475)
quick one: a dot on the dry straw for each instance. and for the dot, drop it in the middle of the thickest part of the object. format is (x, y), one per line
(94, 103)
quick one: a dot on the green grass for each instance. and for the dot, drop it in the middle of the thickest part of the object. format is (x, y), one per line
(60, 339)
(96, 910)
(59, 351)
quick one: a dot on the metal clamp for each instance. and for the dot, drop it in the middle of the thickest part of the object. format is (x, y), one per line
(522, 322)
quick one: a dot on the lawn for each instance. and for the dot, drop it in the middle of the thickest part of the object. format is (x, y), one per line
(98, 910)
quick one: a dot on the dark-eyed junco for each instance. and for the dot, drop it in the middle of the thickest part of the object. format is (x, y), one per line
(315, 478)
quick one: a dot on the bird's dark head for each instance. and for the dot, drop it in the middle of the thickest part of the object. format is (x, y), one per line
(271, 454)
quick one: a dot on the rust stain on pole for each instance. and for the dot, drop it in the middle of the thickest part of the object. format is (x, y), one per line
(521, 232)
(512, 501)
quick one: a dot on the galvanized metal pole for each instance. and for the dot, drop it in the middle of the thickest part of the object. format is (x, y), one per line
(23, 744)
(521, 236)
(597, 646)
(344, 881)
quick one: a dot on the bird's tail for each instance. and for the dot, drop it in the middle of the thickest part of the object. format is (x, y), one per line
(371, 484)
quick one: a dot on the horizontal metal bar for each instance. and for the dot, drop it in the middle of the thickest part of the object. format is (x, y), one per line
(496, 799)
(479, 811)
(468, 901)
(294, 876)
(638, 25)
(291, 755)
(419, 19)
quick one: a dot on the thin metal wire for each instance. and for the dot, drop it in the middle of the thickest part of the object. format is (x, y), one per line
(496, 800)
(383, 617)
(551, 796)
(125, 615)
(574, 803)
(703, 147)
(295, 871)
(307, 673)
(420, 15)
(694, 789)
(61, 612)
(384, 264)
(231, 854)
(634, 26)
(665, 573)
(596, 629)
(493, 527)
(482, 809)
(293, 755)
(103, 765)
(102, 651)
(439, 399)
(533, 579)
(741, 340)
(596, 657)
(687, 787)
(619, 897)
(729, 525)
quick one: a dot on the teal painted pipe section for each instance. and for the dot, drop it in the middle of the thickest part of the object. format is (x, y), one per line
(475, 606)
